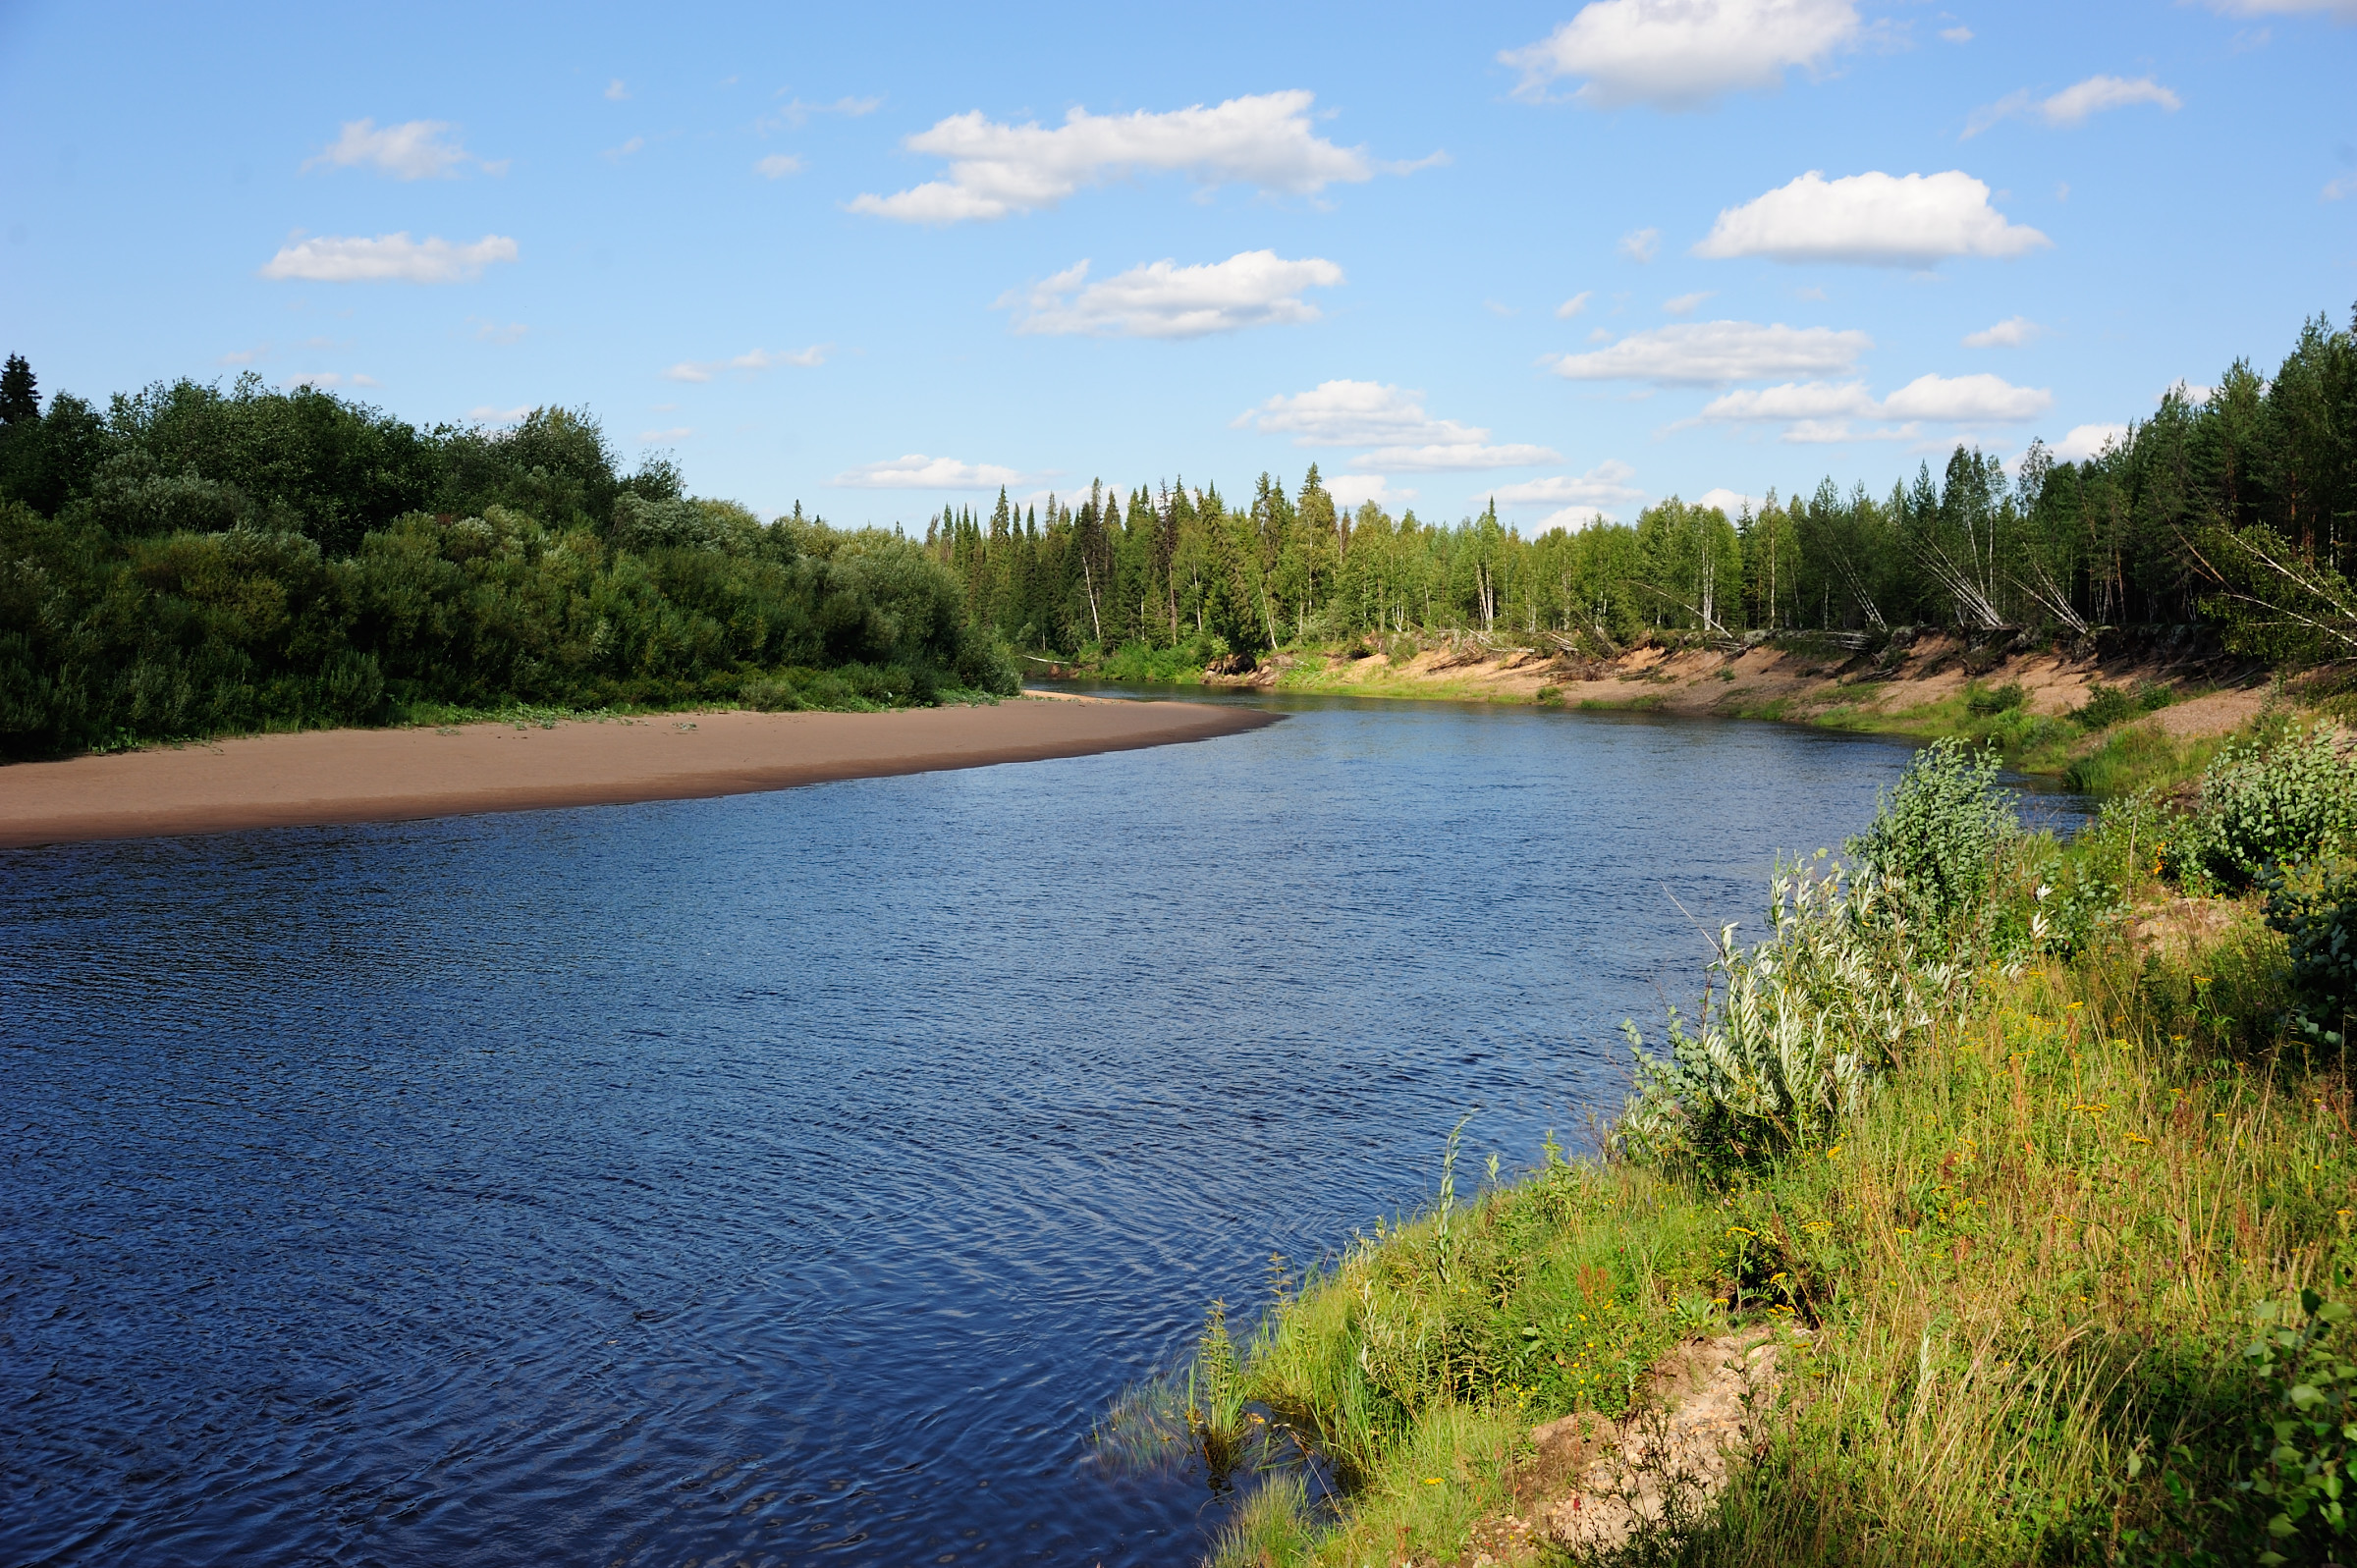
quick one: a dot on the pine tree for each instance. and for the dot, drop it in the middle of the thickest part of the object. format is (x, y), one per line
(19, 394)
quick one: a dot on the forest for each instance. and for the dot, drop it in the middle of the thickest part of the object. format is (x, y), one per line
(2234, 506)
(192, 561)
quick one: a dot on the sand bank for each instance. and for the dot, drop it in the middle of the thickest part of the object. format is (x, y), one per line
(337, 775)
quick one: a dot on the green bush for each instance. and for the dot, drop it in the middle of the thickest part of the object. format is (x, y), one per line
(2267, 802)
(1935, 841)
(1986, 700)
(2315, 907)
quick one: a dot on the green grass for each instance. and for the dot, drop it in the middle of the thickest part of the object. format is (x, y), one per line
(2030, 1262)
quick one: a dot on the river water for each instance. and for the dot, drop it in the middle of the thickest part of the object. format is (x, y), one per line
(795, 1178)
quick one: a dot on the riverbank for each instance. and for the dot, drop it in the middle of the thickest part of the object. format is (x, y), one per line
(324, 777)
(2009, 1186)
(2033, 700)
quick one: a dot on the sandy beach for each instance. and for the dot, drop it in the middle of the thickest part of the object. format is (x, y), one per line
(337, 775)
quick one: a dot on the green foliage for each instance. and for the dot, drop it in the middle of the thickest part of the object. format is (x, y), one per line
(2106, 706)
(1988, 701)
(2315, 907)
(2302, 1447)
(1935, 841)
(2280, 796)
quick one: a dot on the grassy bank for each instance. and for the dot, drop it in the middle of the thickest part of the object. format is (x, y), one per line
(2022, 1150)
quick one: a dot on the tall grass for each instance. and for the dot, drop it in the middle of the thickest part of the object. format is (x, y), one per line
(2066, 1259)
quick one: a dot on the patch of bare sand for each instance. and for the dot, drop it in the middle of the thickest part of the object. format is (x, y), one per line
(1594, 1484)
(340, 776)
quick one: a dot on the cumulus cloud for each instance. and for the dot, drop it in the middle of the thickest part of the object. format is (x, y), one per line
(485, 414)
(778, 165)
(2074, 104)
(2335, 190)
(1389, 419)
(1266, 140)
(1353, 490)
(325, 379)
(664, 438)
(1873, 219)
(1574, 305)
(1816, 411)
(752, 362)
(1640, 244)
(1682, 54)
(245, 356)
(2087, 441)
(1685, 304)
(616, 92)
(1981, 398)
(387, 259)
(2011, 333)
(916, 471)
(1706, 354)
(1605, 485)
(1731, 502)
(1163, 300)
(1957, 34)
(416, 150)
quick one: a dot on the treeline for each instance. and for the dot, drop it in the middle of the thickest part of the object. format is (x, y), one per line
(2235, 506)
(192, 561)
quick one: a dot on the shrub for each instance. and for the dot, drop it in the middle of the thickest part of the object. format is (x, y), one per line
(1990, 700)
(2268, 805)
(2315, 907)
(1935, 841)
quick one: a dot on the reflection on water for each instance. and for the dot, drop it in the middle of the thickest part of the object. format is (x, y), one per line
(794, 1177)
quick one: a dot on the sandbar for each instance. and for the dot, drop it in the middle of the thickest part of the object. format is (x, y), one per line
(327, 777)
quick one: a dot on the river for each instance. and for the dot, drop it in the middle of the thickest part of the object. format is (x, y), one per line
(795, 1178)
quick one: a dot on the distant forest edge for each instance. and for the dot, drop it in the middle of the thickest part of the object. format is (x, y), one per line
(2234, 510)
(190, 560)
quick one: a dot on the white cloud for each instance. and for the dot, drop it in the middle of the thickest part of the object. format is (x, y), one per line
(653, 438)
(1163, 300)
(1957, 34)
(1874, 219)
(2334, 189)
(1605, 485)
(416, 150)
(778, 165)
(493, 332)
(616, 92)
(795, 113)
(1685, 304)
(1353, 490)
(2193, 390)
(1682, 54)
(2011, 333)
(2086, 441)
(1731, 502)
(1352, 414)
(756, 360)
(2073, 104)
(2337, 9)
(1440, 456)
(616, 154)
(387, 259)
(1981, 398)
(916, 471)
(1574, 305)
(485, 414)
(330, 378)
(1640, 244)
(1706, 354)
(1390, 421)
(1941, 400)
(1803, 400)
(1266, 140)
(245, 356)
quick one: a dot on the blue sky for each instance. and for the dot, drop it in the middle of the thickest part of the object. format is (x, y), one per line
(876, 261)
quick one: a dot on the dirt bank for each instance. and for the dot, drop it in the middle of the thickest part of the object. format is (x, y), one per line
(1798, 682)
(337, 776)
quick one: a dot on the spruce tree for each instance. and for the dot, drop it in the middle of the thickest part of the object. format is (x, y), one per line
(19, 394)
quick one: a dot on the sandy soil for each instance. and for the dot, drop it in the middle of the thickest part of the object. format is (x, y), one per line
(388, 775)
(1791, 684)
